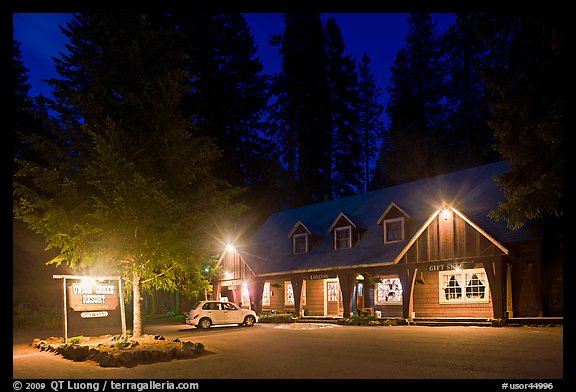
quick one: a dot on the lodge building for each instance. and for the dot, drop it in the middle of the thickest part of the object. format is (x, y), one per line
(421, 249)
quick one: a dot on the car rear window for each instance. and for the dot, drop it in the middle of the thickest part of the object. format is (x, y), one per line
(211, 306)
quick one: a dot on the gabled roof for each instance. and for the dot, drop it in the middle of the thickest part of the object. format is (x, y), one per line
(310, 228)
(473, 192)
(390, 206)
(355, 222)
(432, 217)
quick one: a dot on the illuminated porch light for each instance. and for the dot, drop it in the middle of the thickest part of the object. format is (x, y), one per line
(230, 248)
(445, 213)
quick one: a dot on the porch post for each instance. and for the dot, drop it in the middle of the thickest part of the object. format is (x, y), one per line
(256, 290)
(296, 281)
(215, 291)
(347, 280)
(493, 268)
(407, 277)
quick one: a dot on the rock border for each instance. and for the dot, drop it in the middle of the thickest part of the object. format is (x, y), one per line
(125, 355)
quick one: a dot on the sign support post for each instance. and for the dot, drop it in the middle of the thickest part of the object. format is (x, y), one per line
(93, 299)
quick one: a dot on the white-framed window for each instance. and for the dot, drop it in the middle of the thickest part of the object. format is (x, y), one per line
(266, 294)
(245, 295)
(388, 292)
(466, 286)
(393, 230)
(288, 294)
(343, 237)
(332, 288)
(300, 243)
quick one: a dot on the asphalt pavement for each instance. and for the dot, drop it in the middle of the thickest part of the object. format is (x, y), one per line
(327, 352)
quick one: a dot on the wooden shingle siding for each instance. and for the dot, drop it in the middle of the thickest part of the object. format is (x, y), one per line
(315, 297)
(427, 304)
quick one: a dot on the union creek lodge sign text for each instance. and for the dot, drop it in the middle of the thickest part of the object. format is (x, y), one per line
(91, 297)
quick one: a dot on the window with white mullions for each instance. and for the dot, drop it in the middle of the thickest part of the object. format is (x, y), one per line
(300, 243)
(467, 286)
(394, 230)
(452, 288)
(343, 237)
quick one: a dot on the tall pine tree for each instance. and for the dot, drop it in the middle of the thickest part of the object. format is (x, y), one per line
(371, 127)
(301, 117)
(468, 113)
(419, 145)
(125, 185)
(346, 149)
(228, 101)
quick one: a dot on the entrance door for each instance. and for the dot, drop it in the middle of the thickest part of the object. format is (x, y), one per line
(359, 295)
(332, 297)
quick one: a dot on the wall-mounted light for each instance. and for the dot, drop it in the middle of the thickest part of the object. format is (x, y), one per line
(445, 213)
(230, 248)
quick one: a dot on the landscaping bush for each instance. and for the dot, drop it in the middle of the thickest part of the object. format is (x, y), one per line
(45, 317)
(277, 318)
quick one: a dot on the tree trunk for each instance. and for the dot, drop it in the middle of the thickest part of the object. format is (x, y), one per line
(137, 308)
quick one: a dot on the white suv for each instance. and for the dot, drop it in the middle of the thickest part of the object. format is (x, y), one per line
(204, 314)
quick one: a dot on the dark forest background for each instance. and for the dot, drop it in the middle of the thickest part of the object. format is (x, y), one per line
(168, 121)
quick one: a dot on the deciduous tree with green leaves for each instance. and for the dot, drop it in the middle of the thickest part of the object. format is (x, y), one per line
(124, 185)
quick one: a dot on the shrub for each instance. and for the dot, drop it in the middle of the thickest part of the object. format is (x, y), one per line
(44, 317)
(360, 320)
(277, 318)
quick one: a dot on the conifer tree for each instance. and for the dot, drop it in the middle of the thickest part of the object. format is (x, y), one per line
(300, 118)
(371, 126)
(124, 185)
(419, 145)
(346, 150)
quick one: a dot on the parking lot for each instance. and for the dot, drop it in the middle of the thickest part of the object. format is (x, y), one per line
(328, 351)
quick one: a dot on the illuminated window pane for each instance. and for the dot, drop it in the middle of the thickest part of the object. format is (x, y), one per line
(288, 294)
(475, 288)
(453, 289)
(389, 291)
(266, 294)
(332, 291)
(464, 286)
(393, 230)
(300, 243)
(343, 238)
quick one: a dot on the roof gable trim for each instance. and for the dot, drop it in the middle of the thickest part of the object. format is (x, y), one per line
(392, 204)
(299, 223)
(432, 217)
(340, 215)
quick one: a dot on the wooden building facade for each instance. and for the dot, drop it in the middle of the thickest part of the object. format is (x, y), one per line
(421, 249)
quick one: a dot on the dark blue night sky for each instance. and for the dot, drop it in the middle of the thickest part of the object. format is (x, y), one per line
(380, 35)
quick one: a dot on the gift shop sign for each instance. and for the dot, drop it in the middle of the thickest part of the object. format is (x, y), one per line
(85, 296)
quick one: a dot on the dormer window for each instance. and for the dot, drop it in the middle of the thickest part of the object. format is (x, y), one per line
(393, 223)
(343, 237)
(303, 239)
(393, 230)
(300, 243)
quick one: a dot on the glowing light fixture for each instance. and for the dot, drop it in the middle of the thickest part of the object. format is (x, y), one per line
(230, 248)
(445, 213)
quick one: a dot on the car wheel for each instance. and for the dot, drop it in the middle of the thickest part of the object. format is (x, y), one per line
(249, 321)
(205, 323)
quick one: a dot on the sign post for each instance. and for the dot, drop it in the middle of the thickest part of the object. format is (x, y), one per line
(91, 297)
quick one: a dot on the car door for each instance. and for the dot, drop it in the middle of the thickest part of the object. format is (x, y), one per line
(232, 313)
(214, 311)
